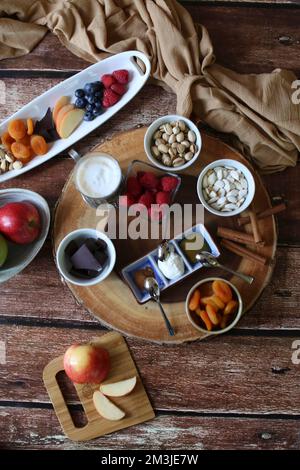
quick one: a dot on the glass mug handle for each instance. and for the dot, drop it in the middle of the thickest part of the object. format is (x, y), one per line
(75, 155)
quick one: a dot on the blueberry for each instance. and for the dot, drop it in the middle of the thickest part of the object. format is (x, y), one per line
(90, 99)
(89, 108)
(80, 103)
(98, 94)
(98, 105)
(97, 111)
(88, 87)
(88, 116)
(97, 86)
(79, 93)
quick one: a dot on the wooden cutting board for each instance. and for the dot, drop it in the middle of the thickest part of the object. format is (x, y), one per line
(111, 301)
(136, 405)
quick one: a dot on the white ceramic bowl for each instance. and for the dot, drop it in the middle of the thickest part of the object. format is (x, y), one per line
(154, 127)
(63, 263)
(232, 324)
(238, 166)
(19, 256)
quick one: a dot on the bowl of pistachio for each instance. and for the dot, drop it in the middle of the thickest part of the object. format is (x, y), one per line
(172, 143)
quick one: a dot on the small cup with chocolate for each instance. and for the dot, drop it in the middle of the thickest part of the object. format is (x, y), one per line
(85, 257)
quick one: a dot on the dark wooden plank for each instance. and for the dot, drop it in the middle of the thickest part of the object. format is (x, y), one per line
(150, 103)
(248, 39)
(276, 309)
(27, 428)
(231, 374)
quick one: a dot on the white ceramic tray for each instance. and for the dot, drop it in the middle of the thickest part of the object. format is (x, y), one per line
(37, 108)
(19, 256)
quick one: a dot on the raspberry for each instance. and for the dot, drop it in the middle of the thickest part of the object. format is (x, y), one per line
(168, 183)
(140, 174)
(156, 212)
(126, 201)
(163, 197)
(134, 187)
(118, 88)
(149, 180)
(147, 199)
(108, 80)
(109, 98)
(121, 76)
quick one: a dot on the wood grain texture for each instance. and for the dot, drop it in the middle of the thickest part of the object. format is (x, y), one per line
(263, 38)
(136, 405)
(27, 428)
(111, 302)
(231, 374)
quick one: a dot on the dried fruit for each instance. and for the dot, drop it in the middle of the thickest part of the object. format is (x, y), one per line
(7, 140)
(204, 317)
(16, 129)
(212, 314)
(222, 290)
(195, 300)
(231, 307)
(38, 145)
(30, 126)
(21, 152)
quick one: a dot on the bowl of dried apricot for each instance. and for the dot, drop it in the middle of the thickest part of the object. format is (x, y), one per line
(214, 305)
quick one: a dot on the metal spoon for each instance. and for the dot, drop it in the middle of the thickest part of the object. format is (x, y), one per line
(208, 260)
(151, 285)
(163, 250)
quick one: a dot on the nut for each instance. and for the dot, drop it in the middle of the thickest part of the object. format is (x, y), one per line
(17, 165)
(191, 136)
(178, 162)
(166, 160)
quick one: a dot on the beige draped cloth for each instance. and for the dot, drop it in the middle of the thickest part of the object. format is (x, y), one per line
(257, 109)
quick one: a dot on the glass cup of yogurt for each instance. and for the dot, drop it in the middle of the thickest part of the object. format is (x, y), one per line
(98, 177)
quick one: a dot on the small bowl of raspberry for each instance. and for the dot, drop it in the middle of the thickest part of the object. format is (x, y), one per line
(148, 190)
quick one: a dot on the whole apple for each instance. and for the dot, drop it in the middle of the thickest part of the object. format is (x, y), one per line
(86, 363)
(20, 222)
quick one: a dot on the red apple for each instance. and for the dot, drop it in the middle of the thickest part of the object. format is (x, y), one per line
(20, 222)
(86, 363)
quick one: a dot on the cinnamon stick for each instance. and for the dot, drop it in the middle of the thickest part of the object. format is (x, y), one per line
(236, 236)
(262, 215)
(243, 251)
(255, 229)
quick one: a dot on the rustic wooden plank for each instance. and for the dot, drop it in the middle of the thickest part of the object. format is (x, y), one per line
(231, 374)
(277, 309)
(263, 38)
(27, 428)
(149, 104)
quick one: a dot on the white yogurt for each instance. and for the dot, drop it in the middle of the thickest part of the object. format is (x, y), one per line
(173, 266)
(98, 176)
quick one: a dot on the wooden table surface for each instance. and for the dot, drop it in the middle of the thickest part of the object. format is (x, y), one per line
(240, 390)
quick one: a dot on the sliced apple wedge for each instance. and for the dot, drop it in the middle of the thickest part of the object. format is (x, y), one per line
(62, 112)
(62, 101)
(118, 389)
(69, 122)
(106, 408)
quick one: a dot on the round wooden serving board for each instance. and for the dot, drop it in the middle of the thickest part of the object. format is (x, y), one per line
(111, 301)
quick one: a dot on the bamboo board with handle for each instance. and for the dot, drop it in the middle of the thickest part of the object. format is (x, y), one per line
(111, 301)
(136, 405)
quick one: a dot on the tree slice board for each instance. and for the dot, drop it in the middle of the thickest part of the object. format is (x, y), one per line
(112, 302)
(136, 405)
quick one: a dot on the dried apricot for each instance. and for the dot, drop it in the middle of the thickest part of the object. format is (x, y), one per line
(210, 301)
(195, 300)
(30, 126)
(222, 290)
(16, 129)
(204, 317)
(212, 314)
(25, 140)
(224, 321)
(21, 152)
(216, 300)
(7, 140)
(231, 307)
(38, 144)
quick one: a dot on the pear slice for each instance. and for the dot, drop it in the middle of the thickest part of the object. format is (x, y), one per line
(106, 408)
(118, 389)
(69, 122)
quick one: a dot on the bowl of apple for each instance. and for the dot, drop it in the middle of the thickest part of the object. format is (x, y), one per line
(24, 225)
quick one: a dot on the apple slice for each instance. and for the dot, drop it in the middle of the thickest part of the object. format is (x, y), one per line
(62, 112)
(69, 122)
(62, 101)
(106, 408)
(118, 389)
